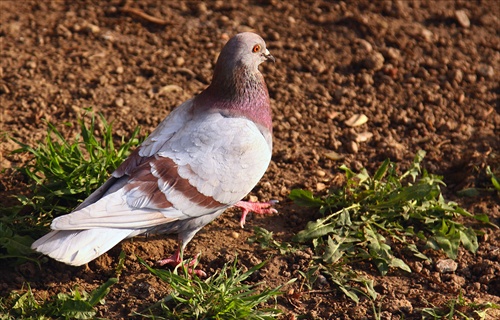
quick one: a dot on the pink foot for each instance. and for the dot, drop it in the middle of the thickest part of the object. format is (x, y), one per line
(175, 260)
(256, 207)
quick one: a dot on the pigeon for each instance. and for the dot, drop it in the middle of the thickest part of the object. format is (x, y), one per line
(202, 159)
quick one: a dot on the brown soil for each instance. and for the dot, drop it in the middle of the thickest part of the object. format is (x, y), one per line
(422, 76)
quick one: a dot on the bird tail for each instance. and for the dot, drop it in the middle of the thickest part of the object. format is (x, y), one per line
(77, 247)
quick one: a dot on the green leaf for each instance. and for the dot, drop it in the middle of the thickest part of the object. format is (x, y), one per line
(14, 244)
(482, 217)
(76, 309)
(344, 218)
(469, 192)
(398, 263)
(468, 238)
(381, 171)
(494, 180)
(348, 172)
(349, 293)
(98, 294)
(305, 198)
(332, 253)
(314, 230)
(448, 240)
(382, 265)
(26, 303)
(410, 193)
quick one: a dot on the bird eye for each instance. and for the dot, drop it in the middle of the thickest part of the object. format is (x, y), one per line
(256, 48)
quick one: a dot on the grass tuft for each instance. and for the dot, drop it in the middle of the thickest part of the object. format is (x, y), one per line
(224, 295)
(75, 305)
(369, 215)
(60, 174)
(64, 172)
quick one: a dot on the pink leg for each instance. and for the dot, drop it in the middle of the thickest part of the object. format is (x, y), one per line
(175, 260)
(256, 207)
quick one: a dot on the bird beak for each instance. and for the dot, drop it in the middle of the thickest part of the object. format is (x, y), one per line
(268, 56)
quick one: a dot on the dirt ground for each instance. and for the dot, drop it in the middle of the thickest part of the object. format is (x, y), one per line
(425, 73)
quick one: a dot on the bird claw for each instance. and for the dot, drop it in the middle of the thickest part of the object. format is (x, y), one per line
(175, 261)
(255, 207)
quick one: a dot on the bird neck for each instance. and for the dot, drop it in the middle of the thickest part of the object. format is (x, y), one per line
(240, 94)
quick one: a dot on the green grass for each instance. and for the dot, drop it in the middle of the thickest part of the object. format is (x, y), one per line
(224, 295)
(61, 173)
(370, 215)
(459, 308)
(64, 172)
(78, 304)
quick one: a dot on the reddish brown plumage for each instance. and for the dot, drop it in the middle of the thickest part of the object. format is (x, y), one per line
(155, 170)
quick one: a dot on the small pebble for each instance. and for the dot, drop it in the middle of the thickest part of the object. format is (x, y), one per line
(4, 89)
(427, 35)
(170, 88)
(31, 64)
(318, 66)
(352, 146)
(332, 115)
(366, 78)
(356, 165)
(456, 75)
(235, 235)
(374, 62)
(202, 8)
(418, 266)
(63, 31)
(485, 70)
(365, 45)
(363, 136)
(251, 21)
(320, 186)
(92, 28)
(334, 156)
(223, 19)
(394, 54)
(274, 36)
(320, 173)
(489, 19)
(321, 280)
(462, 18)
(179, 61)
(119, 102)
(446, 266)
(471, 78)
(356, 120)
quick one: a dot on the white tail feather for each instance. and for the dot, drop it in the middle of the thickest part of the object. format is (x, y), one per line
(77, 247)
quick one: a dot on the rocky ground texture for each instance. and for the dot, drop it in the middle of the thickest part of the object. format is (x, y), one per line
(424, 73)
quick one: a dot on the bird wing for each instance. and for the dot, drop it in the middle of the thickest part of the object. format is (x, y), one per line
(191, 165)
